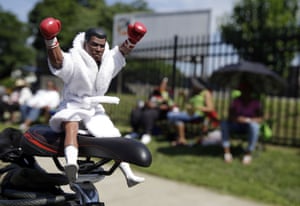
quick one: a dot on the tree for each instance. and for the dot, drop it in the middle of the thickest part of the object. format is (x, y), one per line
(264, 31)
(14, 51)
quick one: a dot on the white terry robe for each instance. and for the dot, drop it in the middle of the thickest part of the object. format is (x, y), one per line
(83, 78)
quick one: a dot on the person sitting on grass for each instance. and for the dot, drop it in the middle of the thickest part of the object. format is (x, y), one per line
(46, 100)
(199, 105)
(143, 117)
(245, 116)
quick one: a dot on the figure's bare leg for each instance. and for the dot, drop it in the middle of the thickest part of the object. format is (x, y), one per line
(71, 130)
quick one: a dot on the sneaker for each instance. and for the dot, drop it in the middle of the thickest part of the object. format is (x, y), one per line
(146, 139)
(247, 159)
(71, 172)
(228, 157)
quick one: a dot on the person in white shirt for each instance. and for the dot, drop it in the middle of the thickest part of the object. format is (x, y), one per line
(44, 100)
(13, 102)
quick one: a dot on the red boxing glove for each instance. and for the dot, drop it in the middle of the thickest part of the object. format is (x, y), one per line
(136, 32)
(50, 27)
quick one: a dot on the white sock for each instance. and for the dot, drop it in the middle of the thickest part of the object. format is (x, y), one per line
(71, 154)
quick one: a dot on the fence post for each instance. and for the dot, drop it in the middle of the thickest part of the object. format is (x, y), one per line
(174, 62)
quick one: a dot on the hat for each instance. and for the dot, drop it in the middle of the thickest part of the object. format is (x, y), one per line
(20, 83)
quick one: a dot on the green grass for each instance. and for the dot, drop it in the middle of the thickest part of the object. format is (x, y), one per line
(273, 177)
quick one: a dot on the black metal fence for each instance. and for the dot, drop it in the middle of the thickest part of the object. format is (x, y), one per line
(182, 58)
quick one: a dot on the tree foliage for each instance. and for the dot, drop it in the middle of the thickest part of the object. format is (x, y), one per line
(14, 51)
(264, 31)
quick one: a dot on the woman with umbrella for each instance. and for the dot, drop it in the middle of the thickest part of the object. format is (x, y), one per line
(245, 116)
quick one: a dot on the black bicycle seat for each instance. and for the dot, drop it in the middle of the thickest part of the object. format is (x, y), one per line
(41, 140)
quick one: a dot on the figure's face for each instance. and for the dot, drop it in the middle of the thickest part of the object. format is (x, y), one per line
(95, 47)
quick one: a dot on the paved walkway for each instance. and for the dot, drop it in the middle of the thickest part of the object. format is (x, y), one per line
(156, 191)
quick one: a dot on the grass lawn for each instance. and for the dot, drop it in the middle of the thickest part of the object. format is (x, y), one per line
(273, 177)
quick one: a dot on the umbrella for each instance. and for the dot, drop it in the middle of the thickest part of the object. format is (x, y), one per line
(259, 76)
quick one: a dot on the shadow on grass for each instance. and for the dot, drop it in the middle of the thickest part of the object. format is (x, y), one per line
(198, 150)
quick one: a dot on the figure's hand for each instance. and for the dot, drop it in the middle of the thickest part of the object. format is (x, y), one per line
(136, 32)
(50, 27)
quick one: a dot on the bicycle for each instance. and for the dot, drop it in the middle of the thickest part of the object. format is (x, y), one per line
(26, 183)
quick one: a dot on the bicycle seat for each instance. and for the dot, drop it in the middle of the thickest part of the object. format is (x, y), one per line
(41, 140)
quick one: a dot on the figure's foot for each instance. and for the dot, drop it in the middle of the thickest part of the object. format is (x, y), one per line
(134, 180)
(71, 172)
(131, 178)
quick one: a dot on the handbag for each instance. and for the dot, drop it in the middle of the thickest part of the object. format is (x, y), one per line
(214, 117)
(266, 131)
